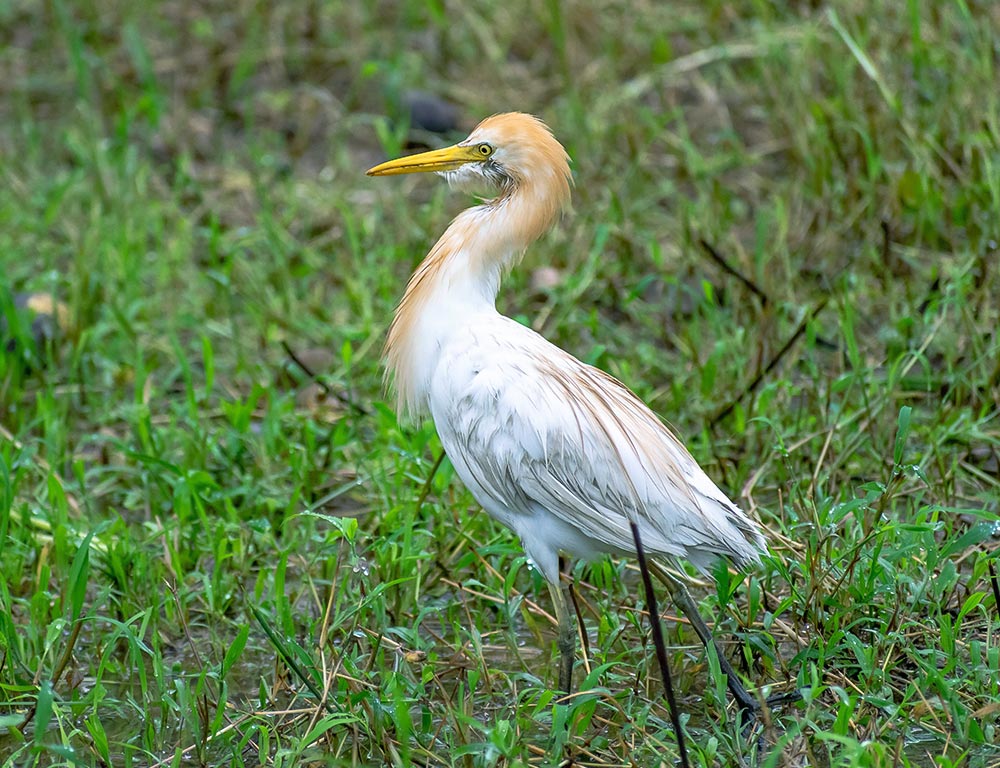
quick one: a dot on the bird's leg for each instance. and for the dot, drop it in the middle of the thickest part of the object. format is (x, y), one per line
(748, 704)
(566, 637)
(581, 627)
(682, 599)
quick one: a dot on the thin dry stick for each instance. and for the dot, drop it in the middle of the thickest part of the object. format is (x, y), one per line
(327, 390)
(996, 585)
(727, 267)
(427, 483)
(752, 386)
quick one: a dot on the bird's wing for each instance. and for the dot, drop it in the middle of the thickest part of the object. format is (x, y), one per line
(535, 426)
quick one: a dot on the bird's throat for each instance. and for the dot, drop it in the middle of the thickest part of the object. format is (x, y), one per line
(457, 283)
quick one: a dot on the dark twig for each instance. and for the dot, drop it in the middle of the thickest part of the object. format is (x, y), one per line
(995, 583)
(427, 483)
(755, 383)
(931, 294)
(886, 242)
(327, 390)
(730, 269)
(659, 644)
(300, 363)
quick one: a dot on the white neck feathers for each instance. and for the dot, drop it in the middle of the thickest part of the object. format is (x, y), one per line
(460, 277)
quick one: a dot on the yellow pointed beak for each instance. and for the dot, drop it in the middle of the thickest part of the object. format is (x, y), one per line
(446, 159)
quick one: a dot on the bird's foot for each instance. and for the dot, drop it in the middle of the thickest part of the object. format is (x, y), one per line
(749, 708)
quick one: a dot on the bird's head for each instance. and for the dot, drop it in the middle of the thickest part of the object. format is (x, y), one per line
(504, 152)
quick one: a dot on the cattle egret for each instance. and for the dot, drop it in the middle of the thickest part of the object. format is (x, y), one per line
(558, 451)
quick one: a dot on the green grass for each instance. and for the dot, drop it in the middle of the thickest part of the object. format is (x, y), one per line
(209, 558)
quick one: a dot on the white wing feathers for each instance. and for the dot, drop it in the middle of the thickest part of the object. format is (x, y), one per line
(530, 429)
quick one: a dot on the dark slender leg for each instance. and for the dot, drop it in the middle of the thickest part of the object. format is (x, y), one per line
(682, 598)
(581, 626)
(566, 637)
(661, 646)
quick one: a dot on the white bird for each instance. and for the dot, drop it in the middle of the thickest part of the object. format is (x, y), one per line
(558, 451)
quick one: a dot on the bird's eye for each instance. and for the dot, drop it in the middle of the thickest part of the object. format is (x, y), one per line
(484, 150)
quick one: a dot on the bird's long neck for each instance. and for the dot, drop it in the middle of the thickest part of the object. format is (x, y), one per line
(457, 281)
